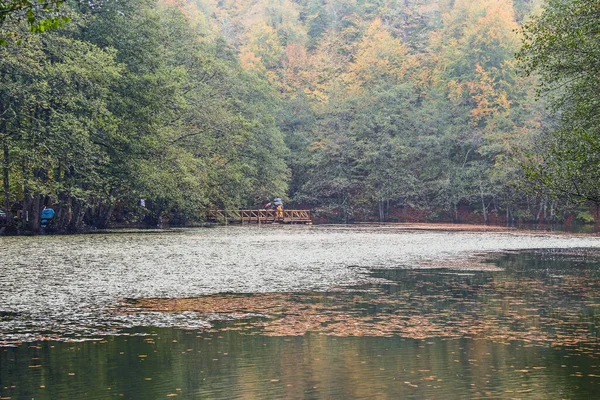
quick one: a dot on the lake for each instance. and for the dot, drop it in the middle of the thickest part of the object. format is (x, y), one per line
(300, 312)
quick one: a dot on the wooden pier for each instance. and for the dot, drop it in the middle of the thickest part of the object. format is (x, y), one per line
(259, 216)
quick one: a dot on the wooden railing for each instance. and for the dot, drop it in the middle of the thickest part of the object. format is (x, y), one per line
(260, 216)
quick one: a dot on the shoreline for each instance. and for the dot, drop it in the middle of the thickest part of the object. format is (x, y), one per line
(400, 226)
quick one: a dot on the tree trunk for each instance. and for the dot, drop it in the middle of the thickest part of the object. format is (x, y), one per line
(539, 214)
(26, 197)
(77, 216)
(62, 210)
(388, 208)
(34, 218)
(26, 209)
(483, 207)
(104, 217)
(5, 171)
(105, 212)
(345, 210)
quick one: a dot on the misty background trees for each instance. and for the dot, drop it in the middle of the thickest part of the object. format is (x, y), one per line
(355, 109)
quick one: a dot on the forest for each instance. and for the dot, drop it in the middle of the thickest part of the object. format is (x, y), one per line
(122, 112)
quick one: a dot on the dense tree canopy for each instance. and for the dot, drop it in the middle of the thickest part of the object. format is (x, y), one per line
(125, 104)
(356, 110)
(396, 103)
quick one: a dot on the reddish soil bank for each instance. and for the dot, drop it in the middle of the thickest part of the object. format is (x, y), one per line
(474, 228)
(445, 219)
(434, 226)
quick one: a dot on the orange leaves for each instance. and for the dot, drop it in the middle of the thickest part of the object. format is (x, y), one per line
(251, 62)
(296, 70)
(296, 56)
(488, 97)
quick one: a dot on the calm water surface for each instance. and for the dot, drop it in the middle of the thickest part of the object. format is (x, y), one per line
(526, 330)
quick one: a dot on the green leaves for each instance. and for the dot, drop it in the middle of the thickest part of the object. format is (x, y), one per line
(40, 16)
(562, 45)
(127, 103)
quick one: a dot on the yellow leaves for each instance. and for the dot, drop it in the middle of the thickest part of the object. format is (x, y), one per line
(251, 62)
(379, 56)
(319, 145)
(503, 101)
(455, 92)
(264, 43)
(483, 22)
(296, 71)
(196, 18)
(500, 22)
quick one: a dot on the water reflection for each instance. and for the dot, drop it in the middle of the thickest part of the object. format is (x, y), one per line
(529, 331)
(552, 302)
(227, 365)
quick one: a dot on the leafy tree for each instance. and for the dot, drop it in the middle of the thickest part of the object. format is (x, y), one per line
(52, 126)
(39, 16)
(360, 106)
(125, 104)
(563, 47)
